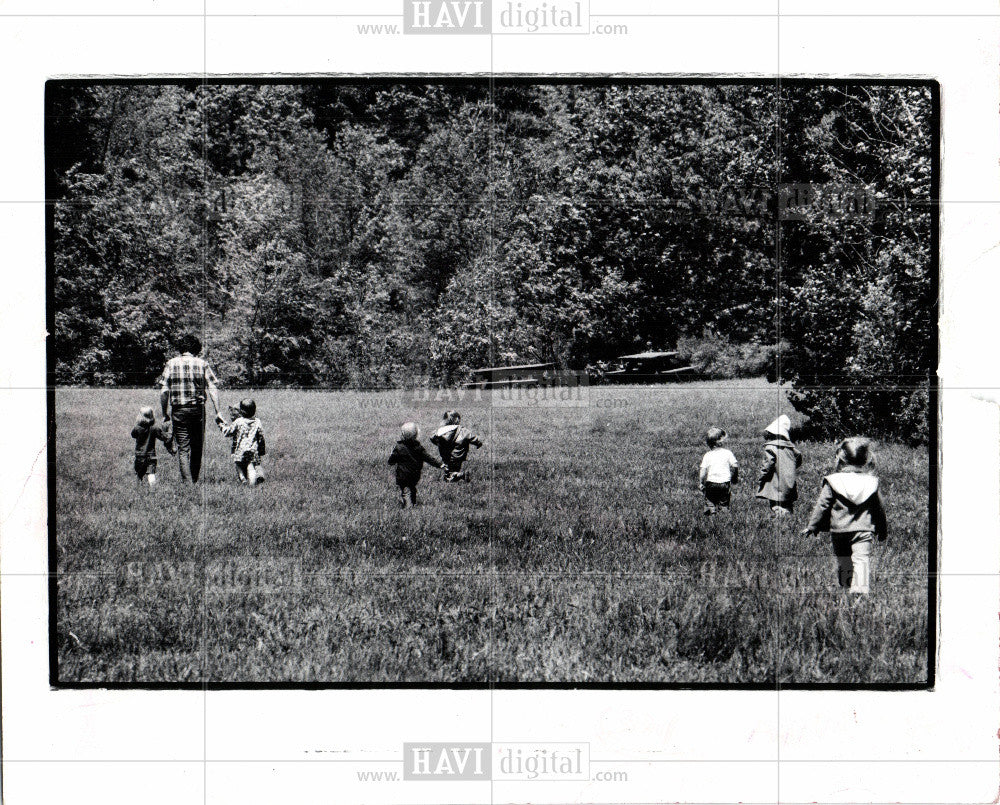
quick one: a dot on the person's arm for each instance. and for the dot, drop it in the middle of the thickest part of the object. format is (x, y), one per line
(394, 456)
(766, 468)
(878, 518)
(703, 474)
(820, 517)
(734, 470)
(136, 431)
(430, 459)
(165, 402)
(168, 442)
(261, 447)
(476, 441)
(798, 459)
(210, 383)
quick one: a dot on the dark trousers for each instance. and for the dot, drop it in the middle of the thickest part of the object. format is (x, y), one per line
(145, 465)
(189, 436)
(717, 496)
(407, 495)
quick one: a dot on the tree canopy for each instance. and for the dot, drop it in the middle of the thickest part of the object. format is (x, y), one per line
(368, 235)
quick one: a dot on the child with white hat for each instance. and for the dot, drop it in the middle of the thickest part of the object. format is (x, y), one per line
(779, 468)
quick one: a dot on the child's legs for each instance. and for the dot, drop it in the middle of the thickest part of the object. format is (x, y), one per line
(861, 551)
(407, 495)
(853, 552)
(241, 471)
(717, 496)
(842, 550)
(254, 476)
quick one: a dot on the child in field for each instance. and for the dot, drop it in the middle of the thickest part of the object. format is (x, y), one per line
(146, 432)
(777, 482)
(719, 471)
(453, 443)
(247, 436)
(409, 456)
(850, 508)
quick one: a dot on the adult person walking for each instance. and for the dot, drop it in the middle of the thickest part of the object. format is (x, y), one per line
(186, 380)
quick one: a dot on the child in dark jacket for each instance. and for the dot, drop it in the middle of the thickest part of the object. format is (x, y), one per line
(778, 470)
(850, 508)
(453, 442)
(409, 456)
(146, 432)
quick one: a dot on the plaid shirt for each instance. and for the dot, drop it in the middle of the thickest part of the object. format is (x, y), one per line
(186, 377)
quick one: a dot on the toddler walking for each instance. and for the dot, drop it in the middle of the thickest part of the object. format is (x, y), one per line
(850, 508)
(409, 456)
(146, 432)
(453, 442)
(248, 444)
(719, 471)
(777, 482)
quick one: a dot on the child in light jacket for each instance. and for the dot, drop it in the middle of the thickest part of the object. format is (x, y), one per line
(778, 470)
(453, 442)
(248, 444)
(850, 508)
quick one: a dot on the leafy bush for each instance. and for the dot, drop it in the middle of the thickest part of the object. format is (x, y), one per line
(714, 356)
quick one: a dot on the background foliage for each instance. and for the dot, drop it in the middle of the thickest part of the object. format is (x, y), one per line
(368, 235)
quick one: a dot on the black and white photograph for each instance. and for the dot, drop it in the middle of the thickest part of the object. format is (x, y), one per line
(437, 402)
(454, 381)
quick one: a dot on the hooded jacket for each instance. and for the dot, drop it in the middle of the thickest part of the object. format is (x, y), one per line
(778, 471)
(453, 444)
(849, 501)
(409, 456)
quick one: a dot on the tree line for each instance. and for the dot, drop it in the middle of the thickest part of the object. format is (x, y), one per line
(376, 234)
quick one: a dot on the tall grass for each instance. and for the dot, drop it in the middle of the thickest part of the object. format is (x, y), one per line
(578, 554)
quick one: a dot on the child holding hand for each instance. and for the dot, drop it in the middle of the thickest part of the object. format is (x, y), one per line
(146, 432)
(248, 444)
(453, 442)
(409, 457)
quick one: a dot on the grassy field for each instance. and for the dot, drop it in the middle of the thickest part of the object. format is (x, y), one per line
(578, 554)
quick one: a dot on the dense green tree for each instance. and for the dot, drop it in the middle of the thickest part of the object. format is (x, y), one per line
(373, 234)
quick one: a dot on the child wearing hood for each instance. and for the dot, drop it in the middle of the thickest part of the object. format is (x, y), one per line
(778, 470)
(850, 508)
(453, 442)
(409, 457)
